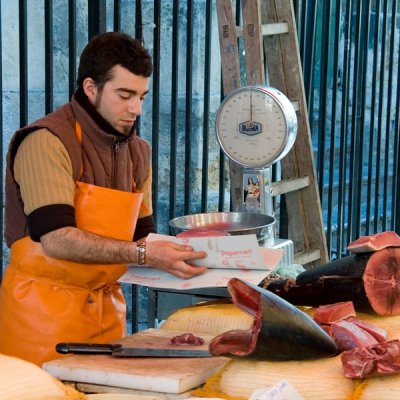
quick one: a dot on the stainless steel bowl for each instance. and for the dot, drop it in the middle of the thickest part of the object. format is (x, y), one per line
(235, 223)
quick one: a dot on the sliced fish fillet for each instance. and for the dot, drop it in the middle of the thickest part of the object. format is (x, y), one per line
(378, 241)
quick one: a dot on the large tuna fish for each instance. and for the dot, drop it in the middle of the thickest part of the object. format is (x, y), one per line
(370, 278)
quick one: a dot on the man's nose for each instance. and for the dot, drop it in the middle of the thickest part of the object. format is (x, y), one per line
(135, 106)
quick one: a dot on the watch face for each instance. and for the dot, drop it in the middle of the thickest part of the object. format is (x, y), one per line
(252, 126)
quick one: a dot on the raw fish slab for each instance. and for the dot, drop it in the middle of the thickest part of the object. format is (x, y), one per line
(376, 242)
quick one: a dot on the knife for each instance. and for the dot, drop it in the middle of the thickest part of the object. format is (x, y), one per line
(118, 350)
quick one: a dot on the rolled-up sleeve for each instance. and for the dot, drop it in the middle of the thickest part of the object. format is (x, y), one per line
(43, 170)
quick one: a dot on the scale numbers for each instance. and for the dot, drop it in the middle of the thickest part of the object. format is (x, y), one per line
(256, 126)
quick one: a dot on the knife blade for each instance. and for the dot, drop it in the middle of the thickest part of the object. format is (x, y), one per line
(118, 350)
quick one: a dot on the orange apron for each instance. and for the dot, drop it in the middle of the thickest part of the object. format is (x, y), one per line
(44, 300)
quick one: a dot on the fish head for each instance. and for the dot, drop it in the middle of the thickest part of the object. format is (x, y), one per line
(280, 331)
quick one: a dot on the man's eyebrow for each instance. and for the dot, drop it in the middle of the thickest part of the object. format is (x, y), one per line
(131, 91)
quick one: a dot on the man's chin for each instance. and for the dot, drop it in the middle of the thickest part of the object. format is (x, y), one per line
(125, 130)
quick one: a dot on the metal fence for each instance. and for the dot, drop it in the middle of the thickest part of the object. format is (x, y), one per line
(350, 55)
(350, 52)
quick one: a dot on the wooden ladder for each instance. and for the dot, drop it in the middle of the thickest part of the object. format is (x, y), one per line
(269, 33)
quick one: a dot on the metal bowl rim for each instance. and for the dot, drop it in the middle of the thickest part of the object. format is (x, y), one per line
(173, 222)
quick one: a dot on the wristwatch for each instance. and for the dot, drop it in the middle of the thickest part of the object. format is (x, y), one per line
(141, 252)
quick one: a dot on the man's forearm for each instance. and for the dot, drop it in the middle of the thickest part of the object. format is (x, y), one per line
(76, 245)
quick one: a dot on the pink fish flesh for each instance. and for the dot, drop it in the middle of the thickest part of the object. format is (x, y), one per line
(378, 241)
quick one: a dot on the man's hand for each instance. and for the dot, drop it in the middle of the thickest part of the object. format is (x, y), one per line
(174, 258)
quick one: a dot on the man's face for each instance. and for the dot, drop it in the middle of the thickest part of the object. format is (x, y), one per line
(120, 100)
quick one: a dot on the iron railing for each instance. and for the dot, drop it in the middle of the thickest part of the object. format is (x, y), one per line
(350, 55)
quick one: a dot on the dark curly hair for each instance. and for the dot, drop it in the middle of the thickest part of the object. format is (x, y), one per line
(106, 50)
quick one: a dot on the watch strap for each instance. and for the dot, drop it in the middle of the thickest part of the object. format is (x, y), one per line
(141, 252)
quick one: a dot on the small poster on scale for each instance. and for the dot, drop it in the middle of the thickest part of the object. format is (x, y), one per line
(256, 186)
(252, 190)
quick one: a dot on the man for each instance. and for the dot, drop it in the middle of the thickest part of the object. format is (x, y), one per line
(78, 181)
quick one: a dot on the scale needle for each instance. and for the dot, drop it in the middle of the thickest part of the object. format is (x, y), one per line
(251, 106)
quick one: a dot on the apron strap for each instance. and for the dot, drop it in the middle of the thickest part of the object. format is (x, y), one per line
(78, 132)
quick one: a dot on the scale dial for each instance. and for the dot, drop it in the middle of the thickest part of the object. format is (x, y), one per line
(256, 126)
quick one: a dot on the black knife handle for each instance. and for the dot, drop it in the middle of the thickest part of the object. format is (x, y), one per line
(86, 348)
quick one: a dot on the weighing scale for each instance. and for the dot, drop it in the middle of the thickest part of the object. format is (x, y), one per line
(256, 127)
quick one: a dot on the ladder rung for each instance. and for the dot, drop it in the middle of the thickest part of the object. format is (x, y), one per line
(296, 105)
(289, 185)
(307, 257)
(277, 28)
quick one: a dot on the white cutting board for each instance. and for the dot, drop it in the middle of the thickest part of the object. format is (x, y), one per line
(165, 375)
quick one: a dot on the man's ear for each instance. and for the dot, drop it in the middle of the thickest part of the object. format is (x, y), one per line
(90, 88)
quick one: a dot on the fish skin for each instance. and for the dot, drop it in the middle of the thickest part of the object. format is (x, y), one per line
(280, 331)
